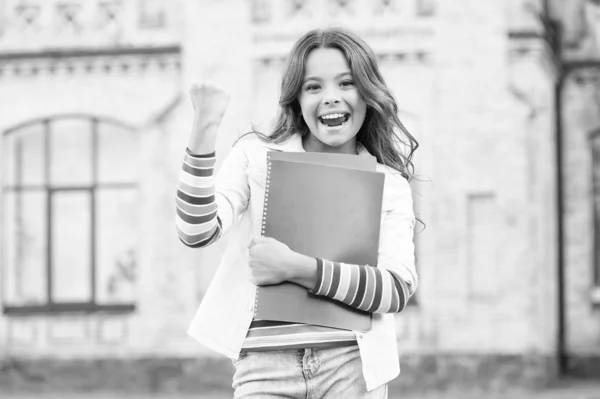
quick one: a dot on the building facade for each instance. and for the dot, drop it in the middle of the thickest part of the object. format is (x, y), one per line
(95, 114)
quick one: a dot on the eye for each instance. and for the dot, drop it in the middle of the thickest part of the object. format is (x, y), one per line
(347, 83)
(312, 87)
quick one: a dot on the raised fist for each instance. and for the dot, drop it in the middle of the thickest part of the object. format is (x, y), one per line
(209, 101)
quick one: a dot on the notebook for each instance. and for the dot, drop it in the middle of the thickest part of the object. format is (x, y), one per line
(322, 211)
(363, 162)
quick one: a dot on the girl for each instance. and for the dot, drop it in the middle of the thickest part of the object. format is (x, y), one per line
(333, 99)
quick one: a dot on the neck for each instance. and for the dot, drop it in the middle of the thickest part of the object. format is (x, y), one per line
(311, 144)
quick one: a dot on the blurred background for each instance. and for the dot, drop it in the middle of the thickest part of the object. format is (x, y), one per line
(502, 95)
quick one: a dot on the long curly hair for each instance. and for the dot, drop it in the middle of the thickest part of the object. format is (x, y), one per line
(381, 133)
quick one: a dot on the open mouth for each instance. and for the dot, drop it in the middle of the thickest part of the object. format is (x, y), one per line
(334, 119)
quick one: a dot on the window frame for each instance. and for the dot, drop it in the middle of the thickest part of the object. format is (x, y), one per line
(51, 307)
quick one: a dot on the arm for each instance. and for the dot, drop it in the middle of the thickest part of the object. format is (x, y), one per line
(197, 222)
(388, 287)
(207, 206)
(363, 287)
(382, 289)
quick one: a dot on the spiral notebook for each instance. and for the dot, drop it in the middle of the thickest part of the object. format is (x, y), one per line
(323, 211)
(363, 162)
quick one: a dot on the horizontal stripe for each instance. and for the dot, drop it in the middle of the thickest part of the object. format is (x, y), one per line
(195, 210)
(360, 289)
(195, 200)
(195, 219)
(353, 286)
(387, 294)
(284, 334)
(395, 300)
(195, 238)
(199, 163)
(194, 190)
(201, 156)
(309, 343)
(378, 290)
(194, 229)
(403, 292)
(335, 279)
(202, 172)
(319, 281)
(201, 244)
(344, 284)
(272, 335)
(196, 181)
(367, 293)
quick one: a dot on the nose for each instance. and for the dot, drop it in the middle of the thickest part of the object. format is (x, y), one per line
(331, 96)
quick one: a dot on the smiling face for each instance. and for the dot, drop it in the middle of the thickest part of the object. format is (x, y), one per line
(331, 104)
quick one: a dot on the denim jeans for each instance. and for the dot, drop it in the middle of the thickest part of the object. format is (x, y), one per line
(302, 373)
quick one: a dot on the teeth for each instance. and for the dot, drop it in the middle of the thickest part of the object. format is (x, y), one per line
(332, 116)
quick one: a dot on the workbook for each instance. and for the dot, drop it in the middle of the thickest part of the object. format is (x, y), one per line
(323, 211)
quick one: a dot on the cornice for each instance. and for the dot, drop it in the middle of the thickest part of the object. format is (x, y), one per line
(88, 62)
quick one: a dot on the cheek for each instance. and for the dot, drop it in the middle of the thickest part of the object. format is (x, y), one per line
(308, 109)
(360, 108)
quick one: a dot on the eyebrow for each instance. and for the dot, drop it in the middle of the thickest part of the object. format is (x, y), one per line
(339, 75)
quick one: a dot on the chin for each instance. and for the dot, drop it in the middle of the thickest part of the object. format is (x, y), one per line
(337, 143)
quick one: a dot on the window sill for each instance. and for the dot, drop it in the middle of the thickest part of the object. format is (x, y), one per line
(66, 308)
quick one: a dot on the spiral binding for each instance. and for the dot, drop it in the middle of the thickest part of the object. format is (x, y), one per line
(266, 201)
(264, 219)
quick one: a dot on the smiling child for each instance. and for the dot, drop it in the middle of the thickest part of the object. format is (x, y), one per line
(333, 99)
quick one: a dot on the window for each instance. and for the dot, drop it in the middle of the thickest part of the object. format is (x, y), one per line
(69, 216)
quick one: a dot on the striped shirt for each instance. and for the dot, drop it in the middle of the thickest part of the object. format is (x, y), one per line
(198, 224)
(363, 287)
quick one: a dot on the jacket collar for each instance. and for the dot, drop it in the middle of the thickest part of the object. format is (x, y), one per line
(294, 144)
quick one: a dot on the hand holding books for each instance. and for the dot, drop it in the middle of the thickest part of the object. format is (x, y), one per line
(273, 262)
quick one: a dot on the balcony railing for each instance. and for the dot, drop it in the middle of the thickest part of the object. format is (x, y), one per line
(42, 25)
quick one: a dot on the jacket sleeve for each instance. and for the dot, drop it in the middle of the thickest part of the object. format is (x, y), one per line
(387, 287)
(208, 205)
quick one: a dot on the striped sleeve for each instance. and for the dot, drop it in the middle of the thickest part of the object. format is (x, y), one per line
(367, 288)
(196, 218)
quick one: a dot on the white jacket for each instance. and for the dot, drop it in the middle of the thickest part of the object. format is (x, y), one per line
(224, 316)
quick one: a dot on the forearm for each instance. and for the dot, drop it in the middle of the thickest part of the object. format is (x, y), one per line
(303, 270)
(368, 288)
(196, 218)
(205, 137)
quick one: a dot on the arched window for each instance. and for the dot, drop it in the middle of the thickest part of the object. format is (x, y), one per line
(69, 215)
